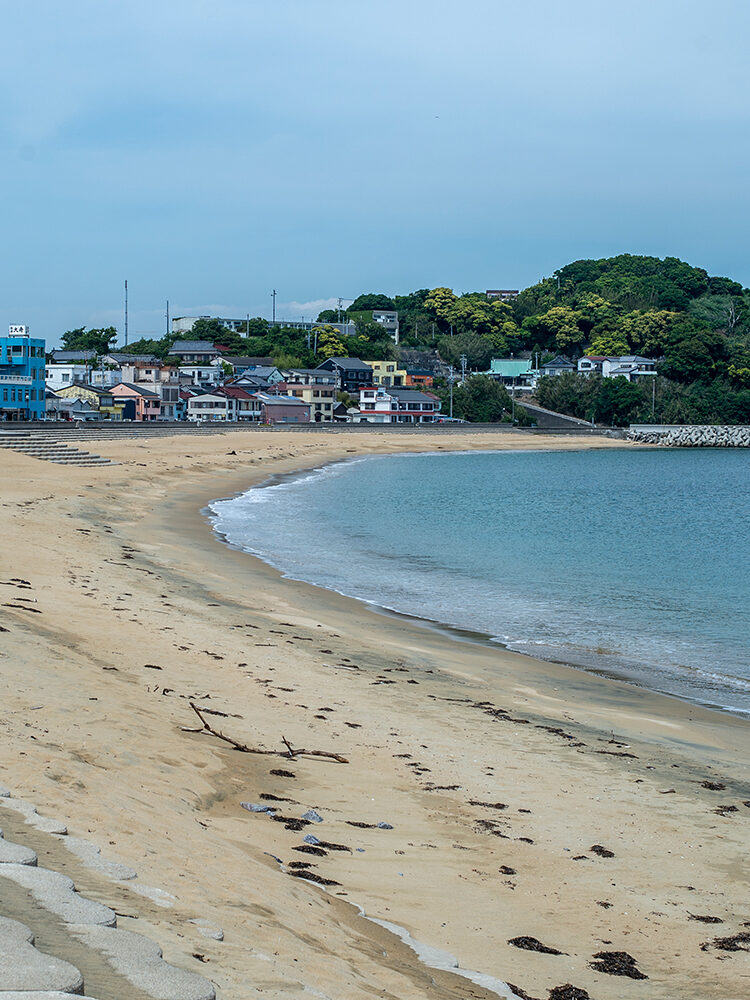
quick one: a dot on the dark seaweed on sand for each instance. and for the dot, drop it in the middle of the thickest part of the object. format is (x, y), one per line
(617, 963)
(312, 877)
(601, 851)
(568, 992)
(309, 849)
(732, 943)
(705, 919)
(531, 944)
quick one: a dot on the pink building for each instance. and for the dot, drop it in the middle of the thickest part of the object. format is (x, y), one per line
(140, 404)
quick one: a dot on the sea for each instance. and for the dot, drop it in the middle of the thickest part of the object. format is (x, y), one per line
(633, 564)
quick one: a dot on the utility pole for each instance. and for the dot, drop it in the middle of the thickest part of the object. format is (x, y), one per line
(273, 296)
(451, 379)
(653, 397)
(463, 368)
(126, 312)
(167, 317)
(247, 325)
(340, 301)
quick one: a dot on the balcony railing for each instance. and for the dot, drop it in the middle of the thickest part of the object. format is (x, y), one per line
(16, 380)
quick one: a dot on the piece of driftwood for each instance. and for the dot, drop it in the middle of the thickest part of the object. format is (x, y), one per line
(290, 752)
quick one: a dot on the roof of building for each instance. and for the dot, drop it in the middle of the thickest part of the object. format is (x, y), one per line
(559, 362)
(270, 400)
(139, 389)
(318, 372)
(509, 367)
(420, 371)
(412, 396)
(235, 391)
(97, 391)
(193, 346)
(350, 364)
(124, 359)
(63, 356)
(236, 362)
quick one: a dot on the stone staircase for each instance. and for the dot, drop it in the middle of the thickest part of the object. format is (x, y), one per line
(49, 448)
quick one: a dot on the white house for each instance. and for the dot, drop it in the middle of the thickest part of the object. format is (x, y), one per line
(211, 406)
(58, 375)
(202, 374)
(397, 406)
(630, 366)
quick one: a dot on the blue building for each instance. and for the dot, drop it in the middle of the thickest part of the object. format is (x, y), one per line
(22, 388)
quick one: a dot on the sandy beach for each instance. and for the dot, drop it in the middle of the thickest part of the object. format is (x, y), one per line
(521, 799)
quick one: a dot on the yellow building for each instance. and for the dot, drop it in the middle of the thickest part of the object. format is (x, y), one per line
(102, 399)
(387, 374)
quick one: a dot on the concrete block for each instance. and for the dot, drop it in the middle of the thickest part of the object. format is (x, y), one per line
(22, 967)
(56, 893)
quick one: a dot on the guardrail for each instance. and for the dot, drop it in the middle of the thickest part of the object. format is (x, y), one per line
(16, 380)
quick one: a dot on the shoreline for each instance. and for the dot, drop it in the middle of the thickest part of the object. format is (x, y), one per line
(455, 632)
(142, 606)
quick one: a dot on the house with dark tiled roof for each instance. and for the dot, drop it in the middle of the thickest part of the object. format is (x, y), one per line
(353, 374)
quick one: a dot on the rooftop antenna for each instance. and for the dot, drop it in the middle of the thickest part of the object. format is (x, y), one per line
(126, 312)
(273, 296)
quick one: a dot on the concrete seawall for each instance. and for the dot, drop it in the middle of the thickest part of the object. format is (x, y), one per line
(691, 435)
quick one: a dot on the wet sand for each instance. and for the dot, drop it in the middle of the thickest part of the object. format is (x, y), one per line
(497, 773)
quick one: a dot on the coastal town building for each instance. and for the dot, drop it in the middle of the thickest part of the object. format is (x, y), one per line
(277, 409)
(58, 375)
(397, 406)
(514, 374)
(389, 319)
(352, 373)
(558, 366)
(629, 366)
(22, 370)
(212, 406)
(140, 404)
(388, 374)
(505, 294)
(101, 402)
(197, 352)
(314, 387)
(419, 378)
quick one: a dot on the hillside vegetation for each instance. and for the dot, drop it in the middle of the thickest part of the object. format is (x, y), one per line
(696, 326)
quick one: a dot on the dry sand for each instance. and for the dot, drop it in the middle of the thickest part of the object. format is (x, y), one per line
(127, 577)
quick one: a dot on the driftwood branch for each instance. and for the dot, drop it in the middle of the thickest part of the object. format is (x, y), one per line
(290, 752)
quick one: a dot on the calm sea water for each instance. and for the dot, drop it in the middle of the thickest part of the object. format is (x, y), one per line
(629, 563)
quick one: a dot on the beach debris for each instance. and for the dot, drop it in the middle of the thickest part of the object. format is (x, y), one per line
(725, 810)
(705, 919)
(487, 805)
(360, 825)
(310, 838)
(312, 817)
(713, 786)
(244, 748)
(518, 992)
(151, 666)
(291, 822)
(732, 943)
(301, 864)
(603, 852)
(280, 773)
(507, 870)
(312, 877)
(666, 791)
(604, 903)
(253, 807)
(532, 944)
(334, 847)
(267, 797)
(384, 826)
(310, 849)
(617, 963)
(568, 992)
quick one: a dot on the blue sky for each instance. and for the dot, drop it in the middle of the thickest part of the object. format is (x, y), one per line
(211, 151)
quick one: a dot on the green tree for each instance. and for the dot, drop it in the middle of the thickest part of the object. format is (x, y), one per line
(480, 399)
(478, 350)
(211, 330)
(559, 325)
(370, 301)
(329, 343)
(609, 344)
(648, 331)
(98, 339)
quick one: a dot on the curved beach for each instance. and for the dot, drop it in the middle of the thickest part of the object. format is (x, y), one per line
(495, 772)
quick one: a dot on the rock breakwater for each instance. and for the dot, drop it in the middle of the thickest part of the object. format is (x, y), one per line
(693, 435)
